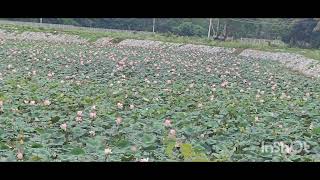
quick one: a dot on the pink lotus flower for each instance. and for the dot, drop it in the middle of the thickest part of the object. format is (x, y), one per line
(224, 84)
(167, 123)
(63, 126)
(50, 74)
(120, 105)
(32, 102)
(134, 148)
(93, 115)
(118, 120)
(92, 133)
(172, 133)
(79, 119)
(107, 151)
(147, 80)
(121, 63)
(131, 106)
(19, 156)
(46, 102)
(79, 113)
(283, 95)
(311, 126)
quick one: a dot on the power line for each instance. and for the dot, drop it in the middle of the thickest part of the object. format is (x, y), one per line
(260, 23)
(280, 23)
(272, 24)
(265, 23)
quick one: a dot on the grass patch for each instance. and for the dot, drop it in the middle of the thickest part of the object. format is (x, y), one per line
(117, 40)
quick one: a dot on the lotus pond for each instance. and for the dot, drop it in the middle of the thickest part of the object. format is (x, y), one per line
(80, 102)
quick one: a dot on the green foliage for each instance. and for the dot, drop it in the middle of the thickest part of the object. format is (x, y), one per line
(77, 151)
(187, 151)
(302, 34)
(117, 40)
(189, 29)
(169, 149)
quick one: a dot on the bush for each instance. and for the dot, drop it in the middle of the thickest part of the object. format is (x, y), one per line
(117, 40)
(168, 34)
(189, 29)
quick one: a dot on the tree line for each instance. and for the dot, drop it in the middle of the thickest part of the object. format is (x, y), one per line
(293, 31)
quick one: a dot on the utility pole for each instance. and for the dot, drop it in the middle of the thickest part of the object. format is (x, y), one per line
(40, 20)
(209, 31)
(226, 26)
(154, 22)
(218, 25)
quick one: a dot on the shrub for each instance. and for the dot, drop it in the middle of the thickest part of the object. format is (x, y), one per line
(189, 29)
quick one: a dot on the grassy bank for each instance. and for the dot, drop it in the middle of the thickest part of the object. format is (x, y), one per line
(93, 36)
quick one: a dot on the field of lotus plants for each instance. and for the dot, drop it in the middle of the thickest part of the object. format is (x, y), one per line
(82, 102)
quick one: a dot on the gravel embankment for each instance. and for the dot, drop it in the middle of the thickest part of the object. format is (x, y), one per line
(308, 67)
(175, 46)
(206, 49)
(105, 41)
(41, 36)
(141, 43)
